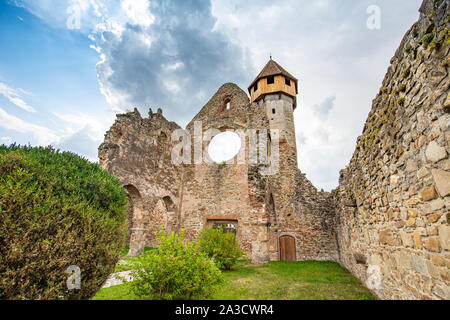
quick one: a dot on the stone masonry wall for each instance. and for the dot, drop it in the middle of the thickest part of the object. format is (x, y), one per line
(137, 151)
(191, 196)
(393, 200)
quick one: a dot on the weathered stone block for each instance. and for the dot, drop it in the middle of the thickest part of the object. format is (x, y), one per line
(442, 181)
(423, 172)
(419, 264)
(428, 194)
(406, 238)
(410, 222)
(444, 236)
(434, 217)
(404, 259)
(432, 244)
(411, 165)
(437, 260)
(435, 152)
(436, 205)
(417, 239)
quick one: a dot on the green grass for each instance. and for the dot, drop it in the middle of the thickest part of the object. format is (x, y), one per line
(278, 280)
(126, 263)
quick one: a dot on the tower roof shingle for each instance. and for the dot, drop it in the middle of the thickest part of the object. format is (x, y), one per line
(272, 68)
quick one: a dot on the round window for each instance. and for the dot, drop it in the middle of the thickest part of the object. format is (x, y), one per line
(224, 146)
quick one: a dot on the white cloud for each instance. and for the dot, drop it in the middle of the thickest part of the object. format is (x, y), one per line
(339, 62)
(44, 136)
(14, 97)
(92, 127)
(138, 11)
(175, 54)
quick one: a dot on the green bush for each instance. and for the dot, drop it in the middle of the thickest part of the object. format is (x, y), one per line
(57, 210)
(177, 270)
(222, 247)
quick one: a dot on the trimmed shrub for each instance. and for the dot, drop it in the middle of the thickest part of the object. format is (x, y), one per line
(57, 210)
(222, 247)
(177, 270)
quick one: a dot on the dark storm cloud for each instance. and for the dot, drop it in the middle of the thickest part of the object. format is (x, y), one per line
(180, 66)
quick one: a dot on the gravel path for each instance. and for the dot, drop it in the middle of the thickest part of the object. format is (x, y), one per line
(114, 279)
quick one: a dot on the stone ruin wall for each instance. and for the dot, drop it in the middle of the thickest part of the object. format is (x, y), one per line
(312, 222)
(137, 151)
(222, 191)
(393, 200)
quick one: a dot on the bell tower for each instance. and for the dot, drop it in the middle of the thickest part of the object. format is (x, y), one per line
(276, 90)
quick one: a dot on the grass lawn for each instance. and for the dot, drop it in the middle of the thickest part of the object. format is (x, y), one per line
(126, 263)
(278, 280)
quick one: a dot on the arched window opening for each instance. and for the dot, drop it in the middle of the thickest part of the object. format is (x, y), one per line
(134, 212)
(226, 105)
(162, 137)
(170, 206)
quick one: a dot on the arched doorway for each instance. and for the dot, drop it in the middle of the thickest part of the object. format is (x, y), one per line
(287, 248)
(170, 217)
(136, 232)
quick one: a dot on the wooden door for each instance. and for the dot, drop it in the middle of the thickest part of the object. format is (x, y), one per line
(287, 248)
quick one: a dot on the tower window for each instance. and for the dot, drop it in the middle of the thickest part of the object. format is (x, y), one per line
(273, 111)
(226, 104)
(270, 80)
(287, 81)
(255, 88)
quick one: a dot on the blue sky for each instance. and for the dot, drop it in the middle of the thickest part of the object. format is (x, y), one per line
(62, 86)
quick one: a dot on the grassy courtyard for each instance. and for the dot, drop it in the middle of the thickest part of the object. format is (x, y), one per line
(280, 280)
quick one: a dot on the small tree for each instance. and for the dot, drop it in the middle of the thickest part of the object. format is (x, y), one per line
(221, 246)
(177, 270)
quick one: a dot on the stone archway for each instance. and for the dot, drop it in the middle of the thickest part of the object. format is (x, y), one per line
(171, 217)
(136, 230)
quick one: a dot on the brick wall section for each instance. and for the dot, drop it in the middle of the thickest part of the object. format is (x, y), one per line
(393, 199)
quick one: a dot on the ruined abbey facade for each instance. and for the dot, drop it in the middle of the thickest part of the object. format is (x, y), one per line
(388, 222)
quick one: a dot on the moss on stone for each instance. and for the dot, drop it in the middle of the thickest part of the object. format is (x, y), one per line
(407, 48)
(406, 73)
(401, 88)
(427, 38)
